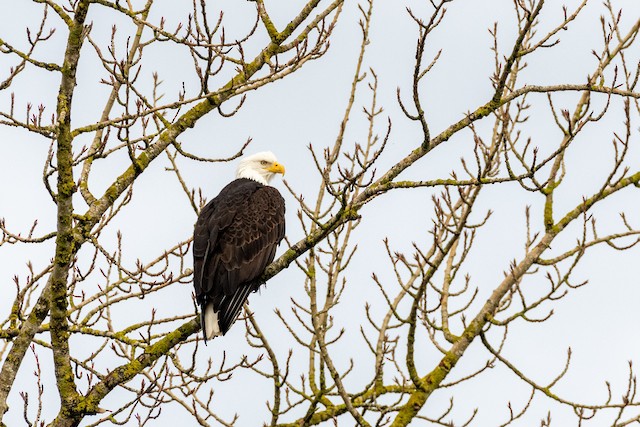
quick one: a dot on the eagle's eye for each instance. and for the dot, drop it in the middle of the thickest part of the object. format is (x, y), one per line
(263, 162)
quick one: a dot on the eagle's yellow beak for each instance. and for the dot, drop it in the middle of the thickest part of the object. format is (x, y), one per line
(276, 168)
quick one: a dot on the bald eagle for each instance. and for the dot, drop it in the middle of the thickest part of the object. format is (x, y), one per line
(235, 238)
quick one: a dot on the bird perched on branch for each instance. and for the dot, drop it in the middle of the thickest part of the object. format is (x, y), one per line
(235, 238)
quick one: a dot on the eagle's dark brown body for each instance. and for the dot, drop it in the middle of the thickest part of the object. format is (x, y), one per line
(235, 238)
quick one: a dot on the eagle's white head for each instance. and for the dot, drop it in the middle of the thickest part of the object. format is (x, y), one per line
(260, 167)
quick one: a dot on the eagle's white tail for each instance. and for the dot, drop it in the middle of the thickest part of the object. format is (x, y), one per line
(211, 322)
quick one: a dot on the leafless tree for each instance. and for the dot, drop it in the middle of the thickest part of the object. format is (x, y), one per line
(373, 358)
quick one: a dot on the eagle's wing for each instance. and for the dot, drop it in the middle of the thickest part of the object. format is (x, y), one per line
(214, 218)
(247, 246)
